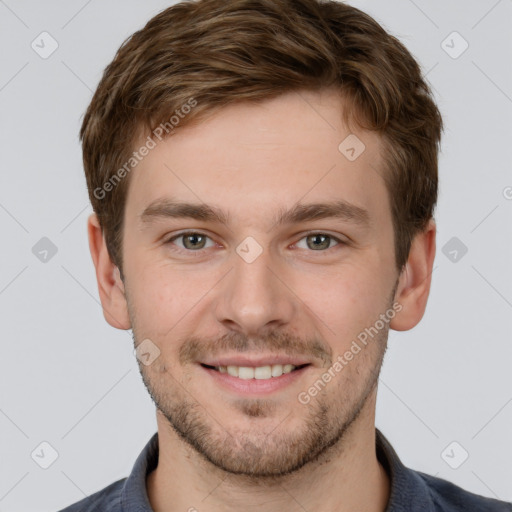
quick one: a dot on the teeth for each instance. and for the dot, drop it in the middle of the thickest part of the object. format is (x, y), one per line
(260, 372)
(263, 372)
(233, 371)
(277, 370)
(245, 373)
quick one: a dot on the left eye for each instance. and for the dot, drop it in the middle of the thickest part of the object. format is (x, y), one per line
(319, 241)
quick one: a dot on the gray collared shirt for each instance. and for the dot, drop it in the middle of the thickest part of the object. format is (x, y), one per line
(411, 491)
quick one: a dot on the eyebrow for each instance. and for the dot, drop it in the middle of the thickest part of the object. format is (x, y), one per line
(168, 208)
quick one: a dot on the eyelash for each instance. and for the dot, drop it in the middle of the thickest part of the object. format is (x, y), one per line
(200, 252)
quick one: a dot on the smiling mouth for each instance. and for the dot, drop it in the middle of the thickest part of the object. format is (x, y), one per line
(258, 372)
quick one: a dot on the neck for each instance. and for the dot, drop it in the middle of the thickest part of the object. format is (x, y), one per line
(344, 478)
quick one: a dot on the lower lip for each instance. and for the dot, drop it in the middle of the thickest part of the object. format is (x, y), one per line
(255, 386)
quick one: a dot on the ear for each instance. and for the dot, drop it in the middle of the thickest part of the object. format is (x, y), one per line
(110, 285)
(414, 281)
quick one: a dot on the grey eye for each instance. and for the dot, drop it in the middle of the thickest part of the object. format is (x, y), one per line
(319, 241)
(191, 241)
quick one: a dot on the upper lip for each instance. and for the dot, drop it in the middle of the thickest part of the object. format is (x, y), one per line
(256, 360)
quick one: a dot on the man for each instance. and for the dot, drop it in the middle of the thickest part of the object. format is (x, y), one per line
(263, 175)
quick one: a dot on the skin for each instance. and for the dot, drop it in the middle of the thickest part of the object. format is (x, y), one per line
(220, 451)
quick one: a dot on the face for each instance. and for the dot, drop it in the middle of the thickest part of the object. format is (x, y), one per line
(267, 281)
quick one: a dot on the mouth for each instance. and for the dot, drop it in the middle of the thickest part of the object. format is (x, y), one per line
(264, 372)
(254, 381)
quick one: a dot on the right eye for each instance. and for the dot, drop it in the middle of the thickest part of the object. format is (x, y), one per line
(192, 241)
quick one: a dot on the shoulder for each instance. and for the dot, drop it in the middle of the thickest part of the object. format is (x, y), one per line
(449, 497)
(107, 499)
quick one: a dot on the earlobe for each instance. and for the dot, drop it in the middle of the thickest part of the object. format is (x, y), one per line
(110, 285)
(415, 279)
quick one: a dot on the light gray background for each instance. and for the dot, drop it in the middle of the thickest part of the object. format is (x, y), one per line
(70, 379)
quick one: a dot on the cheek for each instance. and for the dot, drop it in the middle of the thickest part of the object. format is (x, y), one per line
(170, 302)
(159, 299)
(348, 301)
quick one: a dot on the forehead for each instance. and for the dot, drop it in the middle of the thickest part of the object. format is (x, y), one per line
(253, 160)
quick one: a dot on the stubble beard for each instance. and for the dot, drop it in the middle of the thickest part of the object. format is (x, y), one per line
(269, 455)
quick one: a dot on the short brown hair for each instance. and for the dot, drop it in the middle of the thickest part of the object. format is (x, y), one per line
(212, 53)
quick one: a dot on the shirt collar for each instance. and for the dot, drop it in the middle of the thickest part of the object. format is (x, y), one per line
(408, 493)
(134, 495)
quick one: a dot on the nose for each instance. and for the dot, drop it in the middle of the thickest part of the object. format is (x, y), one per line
(255, 297)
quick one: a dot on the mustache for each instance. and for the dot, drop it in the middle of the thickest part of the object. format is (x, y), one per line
(198, 349)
